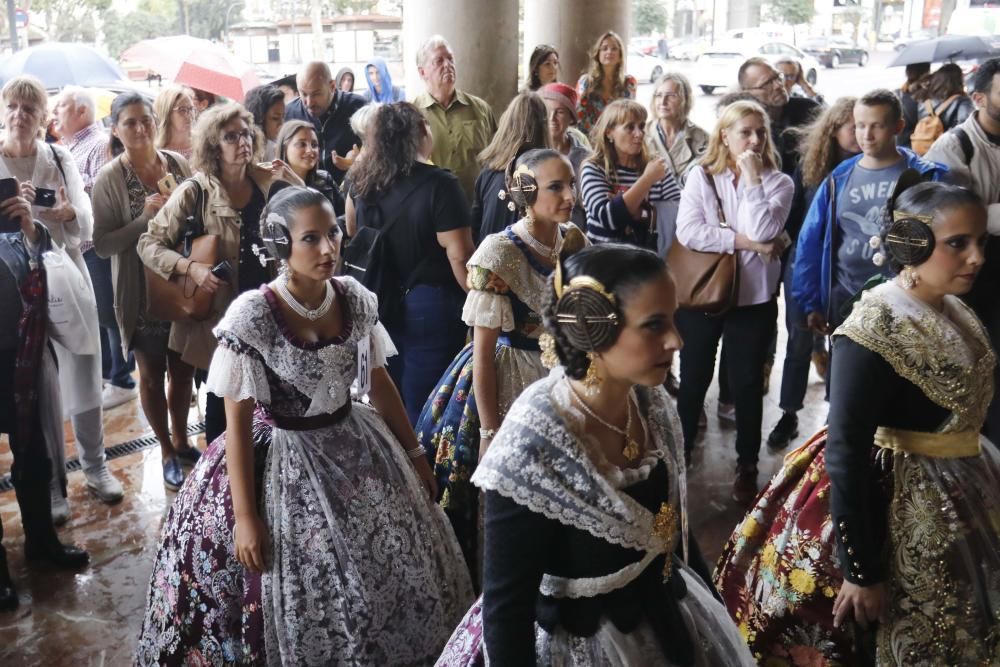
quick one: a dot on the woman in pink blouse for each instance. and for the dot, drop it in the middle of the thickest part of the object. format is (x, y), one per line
(743, 213)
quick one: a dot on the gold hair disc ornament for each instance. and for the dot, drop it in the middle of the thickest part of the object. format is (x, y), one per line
(586, 312)
(910, 239)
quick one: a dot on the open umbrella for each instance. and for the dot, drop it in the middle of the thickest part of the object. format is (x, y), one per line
(947, 48)
(59, 64)
(194, 62)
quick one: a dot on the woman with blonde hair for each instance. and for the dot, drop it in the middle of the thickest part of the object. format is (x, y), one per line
(823, 144)
(232, 190)
(175, 113)
(605, 81)
(669, 131)
(522, 126)
(735, 201)
(622, 188)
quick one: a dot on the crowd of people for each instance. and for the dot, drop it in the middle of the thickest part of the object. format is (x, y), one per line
(437, 353)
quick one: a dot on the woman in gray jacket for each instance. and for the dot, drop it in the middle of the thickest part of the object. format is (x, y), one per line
(126, 195)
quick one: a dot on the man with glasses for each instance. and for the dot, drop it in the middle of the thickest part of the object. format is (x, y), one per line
(330, 110)
(767, 85)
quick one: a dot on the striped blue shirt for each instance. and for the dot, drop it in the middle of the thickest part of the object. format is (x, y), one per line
(607, 215)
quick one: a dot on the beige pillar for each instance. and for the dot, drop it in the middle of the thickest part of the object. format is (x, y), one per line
(572, 26)
(483, 35)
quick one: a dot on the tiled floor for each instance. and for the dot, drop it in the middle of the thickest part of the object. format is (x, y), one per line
(92, 617)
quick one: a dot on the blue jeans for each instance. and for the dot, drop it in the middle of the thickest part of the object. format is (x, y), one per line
(798, 349)
(114, 366)
(428, 337)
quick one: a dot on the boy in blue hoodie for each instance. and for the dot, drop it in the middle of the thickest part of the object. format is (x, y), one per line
(833, 258)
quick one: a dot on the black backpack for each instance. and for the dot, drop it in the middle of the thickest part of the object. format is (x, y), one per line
(365, 257)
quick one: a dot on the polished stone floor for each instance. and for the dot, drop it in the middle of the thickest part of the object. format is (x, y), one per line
(92, 617)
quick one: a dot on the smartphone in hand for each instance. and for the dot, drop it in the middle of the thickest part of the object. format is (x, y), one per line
(8, 189)
(167, 185)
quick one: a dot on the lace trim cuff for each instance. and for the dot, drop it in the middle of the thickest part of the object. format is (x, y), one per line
(235, 373)
(382, 346)
(488, 310)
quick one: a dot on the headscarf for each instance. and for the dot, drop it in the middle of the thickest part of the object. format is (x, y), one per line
(387, 96)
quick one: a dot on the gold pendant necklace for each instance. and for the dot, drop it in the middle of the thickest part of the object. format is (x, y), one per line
(631, 449)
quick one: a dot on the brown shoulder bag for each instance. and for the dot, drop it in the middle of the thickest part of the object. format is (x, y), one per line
(706, 281)
(179, 299)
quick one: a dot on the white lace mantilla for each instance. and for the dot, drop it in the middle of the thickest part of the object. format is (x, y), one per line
(543, 459)
(250, 339)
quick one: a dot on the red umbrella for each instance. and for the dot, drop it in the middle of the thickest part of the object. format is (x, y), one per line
(195, 62)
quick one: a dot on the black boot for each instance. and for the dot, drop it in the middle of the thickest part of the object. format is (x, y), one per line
(41, 544)
(8, 596)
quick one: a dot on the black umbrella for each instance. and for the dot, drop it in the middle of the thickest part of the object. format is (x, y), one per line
(946, 49)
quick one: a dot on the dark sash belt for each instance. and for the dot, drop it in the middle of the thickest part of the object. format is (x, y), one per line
(310, 423)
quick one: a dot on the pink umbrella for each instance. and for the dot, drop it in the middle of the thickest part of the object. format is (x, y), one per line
(195, 62)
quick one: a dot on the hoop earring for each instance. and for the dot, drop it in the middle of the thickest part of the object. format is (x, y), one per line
(592, 380)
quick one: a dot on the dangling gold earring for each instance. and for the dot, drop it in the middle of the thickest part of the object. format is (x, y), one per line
(592, 380)
(908, 277)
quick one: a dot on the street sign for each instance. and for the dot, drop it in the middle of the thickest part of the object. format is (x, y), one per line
(20, 17)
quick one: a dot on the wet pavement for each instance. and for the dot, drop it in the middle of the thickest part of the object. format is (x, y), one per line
(92, 617)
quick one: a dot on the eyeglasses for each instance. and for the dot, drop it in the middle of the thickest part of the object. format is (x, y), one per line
(184, 111)
(669, 96)
(235, 137)
(776, 79)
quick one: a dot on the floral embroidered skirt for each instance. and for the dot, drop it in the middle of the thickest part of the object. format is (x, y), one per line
(361, 569)
(779, 573)
(448, 428)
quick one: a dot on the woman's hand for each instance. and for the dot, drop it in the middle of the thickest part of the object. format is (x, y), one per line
(656, 169)
(866, 604)
(201, 274)
(153, 204)
(281, 171)
(426, 475)
(751, 165)
(62, 212)
(28, 191)
(342, 163)
(817, 323)
(252, 543)
(19, 208)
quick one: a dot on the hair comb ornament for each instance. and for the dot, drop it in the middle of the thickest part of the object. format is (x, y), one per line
(277, 240)
(909, 239)
(261, 253)
(586, 312)
(523, 180)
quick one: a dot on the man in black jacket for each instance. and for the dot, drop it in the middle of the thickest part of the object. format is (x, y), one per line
(330, 110)
(758, 78)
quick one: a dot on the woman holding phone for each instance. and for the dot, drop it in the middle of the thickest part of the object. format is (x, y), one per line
(128, 192)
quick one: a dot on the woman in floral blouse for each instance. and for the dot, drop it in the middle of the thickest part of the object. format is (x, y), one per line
(605, 82)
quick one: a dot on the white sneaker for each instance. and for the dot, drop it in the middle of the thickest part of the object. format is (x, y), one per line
(113, 396)
(60, 508)
(103, 484)
(727, 412)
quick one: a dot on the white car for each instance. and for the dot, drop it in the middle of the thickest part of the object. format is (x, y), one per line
(718, 66)
(644, 68)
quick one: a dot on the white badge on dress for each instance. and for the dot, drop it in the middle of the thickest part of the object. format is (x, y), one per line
(364, 366)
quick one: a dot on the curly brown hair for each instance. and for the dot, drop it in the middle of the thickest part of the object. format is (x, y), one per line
(818, 141)
(391, 150)
(206, 137)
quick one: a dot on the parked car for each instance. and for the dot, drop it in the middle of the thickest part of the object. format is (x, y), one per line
(836, 50)
(644, 68)
(646, 45)
(687, 48)
(717, 66)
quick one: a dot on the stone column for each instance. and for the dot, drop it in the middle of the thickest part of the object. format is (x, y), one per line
(483, 35)
(572, 26)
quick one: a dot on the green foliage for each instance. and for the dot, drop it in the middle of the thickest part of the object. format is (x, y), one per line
(791, 12)
(121, 32)
(70, 20)
(649, 17)
(207, 18)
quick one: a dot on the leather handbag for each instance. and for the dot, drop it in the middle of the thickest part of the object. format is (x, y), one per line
(707, 282)
(179, 299)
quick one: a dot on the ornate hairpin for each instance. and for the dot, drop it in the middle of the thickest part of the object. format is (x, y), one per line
(517, 180)
(261, 253)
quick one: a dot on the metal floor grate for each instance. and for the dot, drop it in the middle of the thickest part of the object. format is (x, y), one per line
(119, 450)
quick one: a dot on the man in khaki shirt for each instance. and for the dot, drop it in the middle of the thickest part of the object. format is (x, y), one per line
(461, 124)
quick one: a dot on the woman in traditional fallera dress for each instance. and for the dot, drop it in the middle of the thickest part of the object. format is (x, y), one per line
(508, 276)
(587, 558)
(892, 515)
(338, 556)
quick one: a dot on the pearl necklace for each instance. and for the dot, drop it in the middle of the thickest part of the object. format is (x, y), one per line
(631, 449)
(281, 287)
(551, 252)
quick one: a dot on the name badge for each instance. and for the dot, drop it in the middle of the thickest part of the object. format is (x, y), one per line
(364, 366)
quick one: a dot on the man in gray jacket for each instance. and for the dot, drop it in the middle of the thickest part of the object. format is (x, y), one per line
(972, 152)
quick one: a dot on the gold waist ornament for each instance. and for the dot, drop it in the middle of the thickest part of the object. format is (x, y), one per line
(956, 445)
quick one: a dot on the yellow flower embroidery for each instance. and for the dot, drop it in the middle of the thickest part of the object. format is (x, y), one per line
(770, 556)
(829, 592)
(750, 527)
(802, 581)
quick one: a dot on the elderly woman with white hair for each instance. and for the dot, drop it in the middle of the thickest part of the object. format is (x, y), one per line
(47, 177)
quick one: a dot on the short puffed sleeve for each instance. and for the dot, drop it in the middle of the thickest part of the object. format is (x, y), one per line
(238, 370)
(487, 304)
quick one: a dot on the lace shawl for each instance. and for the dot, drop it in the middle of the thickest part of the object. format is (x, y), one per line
(487, 304)
(543, 459)
(947, 355)
(252, 344)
